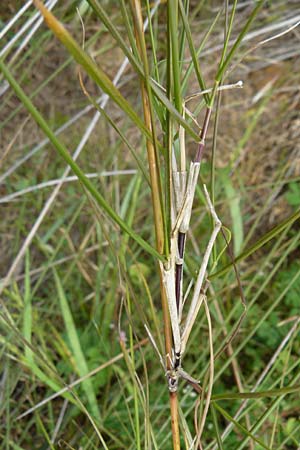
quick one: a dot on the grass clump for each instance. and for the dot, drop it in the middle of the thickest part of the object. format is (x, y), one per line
(151, 300)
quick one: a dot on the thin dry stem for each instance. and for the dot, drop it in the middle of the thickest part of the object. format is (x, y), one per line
(158, 217)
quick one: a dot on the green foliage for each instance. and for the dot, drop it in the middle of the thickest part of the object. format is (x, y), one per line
(268, 334)
(293, 194)
(91, 312)
(291, 300)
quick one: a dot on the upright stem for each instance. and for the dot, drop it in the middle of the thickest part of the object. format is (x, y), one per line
(156, 203)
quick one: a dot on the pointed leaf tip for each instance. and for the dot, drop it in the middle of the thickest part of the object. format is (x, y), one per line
(50, 19)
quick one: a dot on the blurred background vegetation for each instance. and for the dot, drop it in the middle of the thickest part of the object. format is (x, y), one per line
(66, 296)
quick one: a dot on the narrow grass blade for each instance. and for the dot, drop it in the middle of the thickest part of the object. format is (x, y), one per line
(27, 318)
(43, 431)
(159, 93)
(239, 426)
(261, 421)
(102, 80)
(172, 8)
(154, 43)
(61, 149)
(238, 41)
(193, 52)
(132, 57)
(152, 146)
(216, 426)
(263, 394)
(129, 28)
(29, 361)
(189, 70)
(76, 347)
(134, 153)
(94, 71)
(260, 243)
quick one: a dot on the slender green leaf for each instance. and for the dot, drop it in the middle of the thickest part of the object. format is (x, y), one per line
(262, 394)
(154, 42)
(94, 71)
(261, 421)
(132, 150)
(160, 94)
(239, 426)
(238, 41)
(152, 150)
(189, 70)
(61, 149)
(27, 319)
(132, 57)
(193, 52)
(172, 6)
(29, 360)
(216, 426)
(258, 244)
(228, 31)
(102, 80)
(74, 340)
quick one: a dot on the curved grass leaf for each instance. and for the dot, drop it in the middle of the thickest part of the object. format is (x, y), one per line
(216, 426)
(189, 70)
(258, 244)
(262, 394)
(100, 12)
(74, 340)
(238, 41)
(102, 80)
(172, 11)
(61, 149)
(160, 94)
(193, 52)
(239, 426)
(94, 71)
(134, 153)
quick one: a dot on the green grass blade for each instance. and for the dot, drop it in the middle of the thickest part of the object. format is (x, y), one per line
(239, 426)
(216, 426)
(100, 12)
(261, 421)
(263, 394)
(137, 158)
(228, 32)
(154, 43)
(159, 93)
(193, 52)
(102, 80)
(238, 41)
(27, 318)
(61, 149)
(129, 29)
(74, 340)
(172, 6)
(94, 71)
(260, 243)
(189, 70)
(29, 361)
